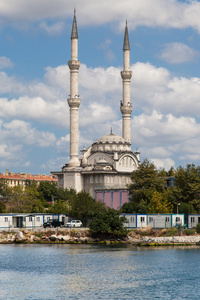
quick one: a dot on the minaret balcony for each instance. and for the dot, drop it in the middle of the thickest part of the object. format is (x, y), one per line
(74, 64)
(74, 102)
(126, 109)
(126, 74)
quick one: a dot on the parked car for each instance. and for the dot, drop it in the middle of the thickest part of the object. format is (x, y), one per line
(53, 223)
(74, 223)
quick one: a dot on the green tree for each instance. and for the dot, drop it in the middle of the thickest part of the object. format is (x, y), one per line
(16, 200)
(159, 204)
(48, 190)
(108, 222)
(25, 201)
(4, 190)
(128, 208)
(2, 207)
(59, 207)
(187, 188)
(146, 180)
(82, 206)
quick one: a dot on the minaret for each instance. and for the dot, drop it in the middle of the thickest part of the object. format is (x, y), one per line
(126, 106)
(74, 101)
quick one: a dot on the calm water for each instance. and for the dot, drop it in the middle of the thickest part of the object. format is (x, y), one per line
(98, 272)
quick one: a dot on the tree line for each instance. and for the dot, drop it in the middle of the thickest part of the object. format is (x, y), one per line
(148, 191)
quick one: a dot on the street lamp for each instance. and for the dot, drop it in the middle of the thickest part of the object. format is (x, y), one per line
(177, 207)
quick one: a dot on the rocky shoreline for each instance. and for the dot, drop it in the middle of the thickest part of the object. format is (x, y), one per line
(84, 237)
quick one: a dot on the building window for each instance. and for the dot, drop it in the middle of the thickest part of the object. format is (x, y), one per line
(91, 179)
(167, 219)
(142, 219)
(48, 218)
(30, 219)
(177, 219)
(6, 219)
(150, 219)
(192, 219)
(132, 219)
(38, 219)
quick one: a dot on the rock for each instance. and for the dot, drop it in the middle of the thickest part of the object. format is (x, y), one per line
(32, 238)
(66, 238)
(19, 236)
(53, 237)
(46, 239)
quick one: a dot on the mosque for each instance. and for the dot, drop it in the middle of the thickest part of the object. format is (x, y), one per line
(103, 169)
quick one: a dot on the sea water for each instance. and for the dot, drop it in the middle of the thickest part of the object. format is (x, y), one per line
(98, 272)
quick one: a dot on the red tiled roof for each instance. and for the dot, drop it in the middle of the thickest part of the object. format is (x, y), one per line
(14, 176)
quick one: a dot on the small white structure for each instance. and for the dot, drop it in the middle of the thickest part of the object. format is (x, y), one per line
(135, 220)
(131, 220)
(28, 220)
(193, 220)
(154, 220)
(165, 220)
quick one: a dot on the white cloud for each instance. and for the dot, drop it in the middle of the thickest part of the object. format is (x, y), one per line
(166, 163)
(165, 129)
(176, 53)
(52, 29)
(174, 14)
(157, 88)
(5, 62)
(162, 138)
(106, 47)
(20, 132)
(63, 144)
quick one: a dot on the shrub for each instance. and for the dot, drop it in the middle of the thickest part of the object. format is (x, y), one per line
(189, 231)
(108, 222)
(172, 232)
(198, 228)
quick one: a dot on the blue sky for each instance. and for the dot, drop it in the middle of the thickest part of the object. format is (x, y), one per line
(34, 79)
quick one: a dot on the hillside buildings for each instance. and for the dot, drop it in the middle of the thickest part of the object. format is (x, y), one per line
(24, 179)
(104, 168)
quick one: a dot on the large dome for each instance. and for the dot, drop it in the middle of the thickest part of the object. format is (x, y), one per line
(111, 143)
(111, 138)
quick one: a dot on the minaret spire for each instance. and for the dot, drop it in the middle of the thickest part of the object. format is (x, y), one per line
(126, 106)
(74, 101)
(74, 34)
(126, 39)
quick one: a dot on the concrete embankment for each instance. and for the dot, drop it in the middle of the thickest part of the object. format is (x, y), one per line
(168, 240)
(84, 236)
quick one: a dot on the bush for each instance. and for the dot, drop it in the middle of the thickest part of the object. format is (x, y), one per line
(172, 231)
(198, 228)
(189, 231)
(108, 222)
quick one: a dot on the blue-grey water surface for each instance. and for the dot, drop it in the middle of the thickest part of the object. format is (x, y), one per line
(98, 272)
